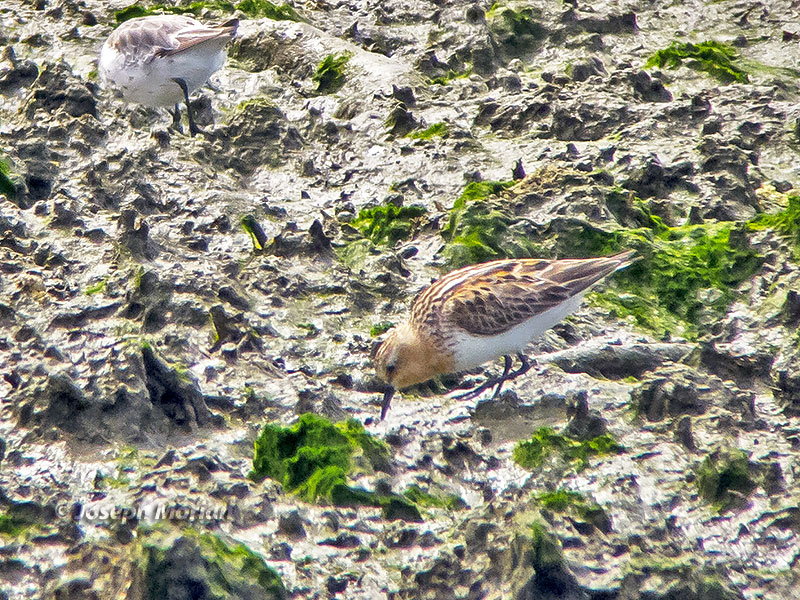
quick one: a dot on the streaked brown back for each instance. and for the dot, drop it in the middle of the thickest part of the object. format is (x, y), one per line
(491, 298)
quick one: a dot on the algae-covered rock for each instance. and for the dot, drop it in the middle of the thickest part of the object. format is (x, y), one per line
(330, 73)
(481, 227)
(545, 443)
(389, 223)
(715, 58)
(315, 458)
(517, 28)
(203, 565)
(725, 478)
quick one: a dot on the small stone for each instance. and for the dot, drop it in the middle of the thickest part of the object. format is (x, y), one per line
(280, 551)
(584, 424)
(291, 525)
(336, 585)
(683, 434)
(167, 459)
(476, 535)
(774, 482)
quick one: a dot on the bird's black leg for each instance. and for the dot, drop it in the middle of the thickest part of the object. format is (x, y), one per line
(499, 381)
(193, 128)
(507, 367)
(489, 383)
(176, 118)
(524, 367)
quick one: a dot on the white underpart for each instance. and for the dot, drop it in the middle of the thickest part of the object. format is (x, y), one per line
(473, 350)
(150, 82)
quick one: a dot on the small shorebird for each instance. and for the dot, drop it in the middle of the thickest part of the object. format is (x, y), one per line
(481, 312)
(160, 60)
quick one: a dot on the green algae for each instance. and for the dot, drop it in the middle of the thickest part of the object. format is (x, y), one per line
(547, 559)
(330, 73)
(686, 275)
(380, 328)
(257, 9)
(560, 500)
(568, 501)
(425, 499)
(230, 570)
(255, 231)
(254, 9)
(450, 76)
(21, 519)
(312, 329)
(355, 254)
(7, 187)
(785, 222)
(481, 228)
(479, 190)
(715, 58)
(722, 472)
(314, 458)
(516, 30)
(134, 11)
(435, 130)
(387, 224)
(14, 525)
(545, 442)
(256, 103)
(96, 288)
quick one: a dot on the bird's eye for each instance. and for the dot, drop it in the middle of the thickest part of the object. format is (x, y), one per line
(391, 368)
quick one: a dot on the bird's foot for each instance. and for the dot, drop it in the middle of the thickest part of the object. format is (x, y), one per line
(491, 382)
(176, 120)
(193, 128)
(486, 385)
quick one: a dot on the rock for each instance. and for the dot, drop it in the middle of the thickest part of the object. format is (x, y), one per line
(676, 390)
(133, 234)
(256, 134)
(476, 536)
(655, 180)
(618, 362)
(401, 121)
(584, 424)
(291, 524)
(582, 70)
(21, 73)
(57, 89)
(648, 89)
(193, 567)
(785, 375)
(683, 434)
(76, 589)
(403, 538)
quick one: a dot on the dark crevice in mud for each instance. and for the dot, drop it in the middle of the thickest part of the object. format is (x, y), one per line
(177, 396)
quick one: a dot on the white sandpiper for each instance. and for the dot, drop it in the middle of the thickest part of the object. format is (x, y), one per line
(160, 60)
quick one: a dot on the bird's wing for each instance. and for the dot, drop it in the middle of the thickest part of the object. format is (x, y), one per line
(492, 298)
(188, 37)
(141, 40)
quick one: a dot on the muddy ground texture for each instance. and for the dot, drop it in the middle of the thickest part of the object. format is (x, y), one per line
(164, 297)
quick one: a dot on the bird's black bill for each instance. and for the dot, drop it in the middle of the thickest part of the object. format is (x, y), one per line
(387, 399)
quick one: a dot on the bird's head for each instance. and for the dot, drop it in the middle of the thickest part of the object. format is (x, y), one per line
(406, 358)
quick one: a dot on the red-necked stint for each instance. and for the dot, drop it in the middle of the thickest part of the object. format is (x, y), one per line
(482, 312)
